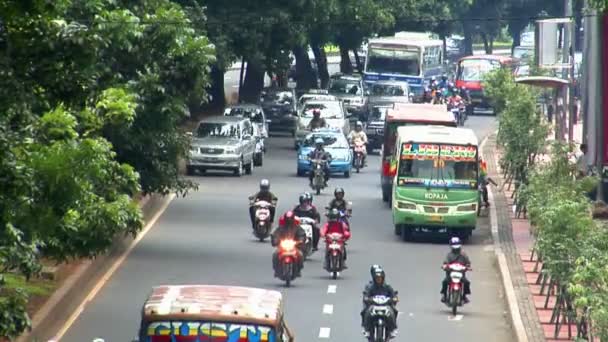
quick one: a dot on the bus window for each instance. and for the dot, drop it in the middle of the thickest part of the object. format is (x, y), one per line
(475, 69)
(385, 61)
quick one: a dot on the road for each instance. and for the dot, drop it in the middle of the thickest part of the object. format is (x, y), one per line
(205, 238)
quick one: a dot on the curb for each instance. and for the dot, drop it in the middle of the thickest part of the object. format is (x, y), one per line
(66, 298)
(507, 283)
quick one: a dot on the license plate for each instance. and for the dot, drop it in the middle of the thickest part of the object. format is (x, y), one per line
(211, 160)
(476, 101)
(435, 218)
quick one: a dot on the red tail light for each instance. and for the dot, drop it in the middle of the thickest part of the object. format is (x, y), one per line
(456, 287)
(386, 169)
(288, 260)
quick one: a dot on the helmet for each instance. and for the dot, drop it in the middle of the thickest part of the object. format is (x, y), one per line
(444, 77)
(264, 185)
(339, 191)
(376, 272)
(303, 198)
(333, 215)
(463, 89)
(308, 196)
(455, 244)
(359, 124)
(433, 78)
(316, 112)
(319, 141)
(289, 218)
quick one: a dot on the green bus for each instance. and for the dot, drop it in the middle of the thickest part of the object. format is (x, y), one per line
(436, 184)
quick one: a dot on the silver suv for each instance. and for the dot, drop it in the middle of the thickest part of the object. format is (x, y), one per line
(222, 143)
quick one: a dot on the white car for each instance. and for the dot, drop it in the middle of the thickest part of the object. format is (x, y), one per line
(332, 111)
(315, 97)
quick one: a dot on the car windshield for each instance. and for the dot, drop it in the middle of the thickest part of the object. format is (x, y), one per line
(306, 98)
(329, 110)
(401, 62)
(223, 130)
(255, 115)
(278, 97)
(438, 165)
(342, 86)
(379, 89)
(329, 140)
(476, 69)
(200, 331)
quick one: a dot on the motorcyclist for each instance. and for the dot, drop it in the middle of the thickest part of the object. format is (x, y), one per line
(263, 195)
(359, 135)
(288, 228)
(456, 255)
(317, 121)
(454, 97)
(444, 82)
(466, 97)
(339, 202)
(320, 153)
(307, 209)
(484, 180)
(378, 287)
(334, 225)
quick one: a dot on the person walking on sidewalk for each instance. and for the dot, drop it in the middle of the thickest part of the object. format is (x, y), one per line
(484, 180)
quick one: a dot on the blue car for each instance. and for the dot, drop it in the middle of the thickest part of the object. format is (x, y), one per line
(335, 143)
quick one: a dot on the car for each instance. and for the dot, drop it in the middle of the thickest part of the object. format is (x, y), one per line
(335, 143)
(349, 89)
(255, 113)
(315, 94)
(332, 111)
(374, 129)
(386, 93)
(222, 143)
(279, 106)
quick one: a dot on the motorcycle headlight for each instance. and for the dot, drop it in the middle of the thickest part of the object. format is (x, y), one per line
(468, 207)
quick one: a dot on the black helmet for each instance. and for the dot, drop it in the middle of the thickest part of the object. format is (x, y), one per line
(377, 271)
(444, 77)
(303, 198)
(339, 191)
(333, 215)
(308, 196)
(264, 185)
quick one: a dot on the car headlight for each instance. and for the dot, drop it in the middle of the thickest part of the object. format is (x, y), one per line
(467, 207)
(406, 205)
(230, 151)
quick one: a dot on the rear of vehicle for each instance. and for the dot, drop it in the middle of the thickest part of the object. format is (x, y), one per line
(406, 115)
(335, 144)
(437, 181)
(471, 71)
(204, 313)
(332, 111)
(280, 108)
(375, 126)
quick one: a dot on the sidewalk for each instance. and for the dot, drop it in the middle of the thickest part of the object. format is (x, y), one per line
(516, 241)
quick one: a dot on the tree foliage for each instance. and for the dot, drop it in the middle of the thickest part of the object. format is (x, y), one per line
(91, 97)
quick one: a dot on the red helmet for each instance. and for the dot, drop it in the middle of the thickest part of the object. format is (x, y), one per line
(316, 111)
(289, 218)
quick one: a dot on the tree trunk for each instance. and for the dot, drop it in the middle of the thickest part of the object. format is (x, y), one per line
(321, 60)
(445, 47)
(358, 61)
(253, 84)
(467, 28)
(216, 91)
(346, 66)
(486, 43)
(305, 76)
(515, 28)
(241, 77)
(491, 43)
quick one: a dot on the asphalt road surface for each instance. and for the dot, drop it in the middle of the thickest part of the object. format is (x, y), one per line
(206, 238)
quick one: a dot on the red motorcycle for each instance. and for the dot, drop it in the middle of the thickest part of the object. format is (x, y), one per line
(334, 255)
(289, 257)
(455, 292)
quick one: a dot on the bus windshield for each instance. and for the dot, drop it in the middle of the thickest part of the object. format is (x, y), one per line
(475, 69)
(200, 331)
(442, 165)
(390, 61)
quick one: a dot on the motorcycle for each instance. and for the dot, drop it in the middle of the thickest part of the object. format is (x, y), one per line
(381, 311)
(359, 152)
(263, 225)
(307, 225)
(288, 260)
(334, 247)
(459, 110)
(318, 179)
(455, 292)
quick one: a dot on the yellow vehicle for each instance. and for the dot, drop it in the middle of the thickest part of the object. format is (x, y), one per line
(208, 313)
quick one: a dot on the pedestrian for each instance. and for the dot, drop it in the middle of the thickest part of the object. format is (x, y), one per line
(582, 167)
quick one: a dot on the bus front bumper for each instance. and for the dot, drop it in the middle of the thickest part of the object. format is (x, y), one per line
(435, 221)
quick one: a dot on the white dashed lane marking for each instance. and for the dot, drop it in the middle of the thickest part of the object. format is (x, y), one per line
(324, 332)
(455, 318)
(328, 309)
(332, 288)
